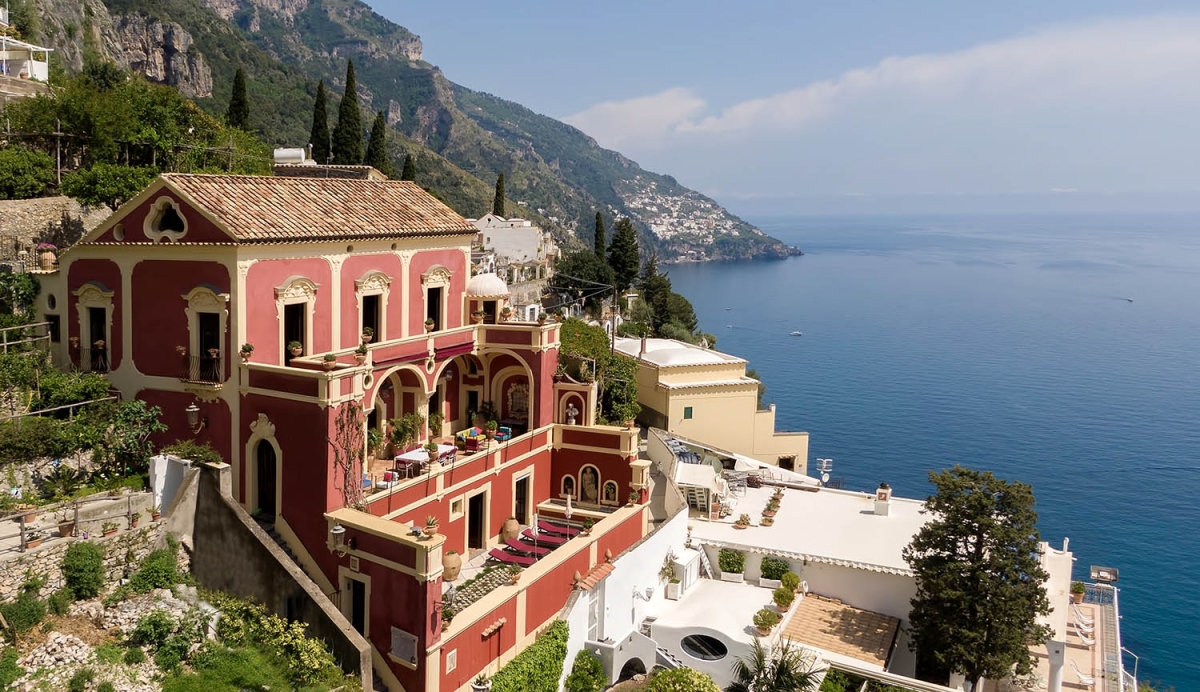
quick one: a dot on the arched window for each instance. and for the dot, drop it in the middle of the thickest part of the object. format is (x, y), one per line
(609, 496)
(568, 486)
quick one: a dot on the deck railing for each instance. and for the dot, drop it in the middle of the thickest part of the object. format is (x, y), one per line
(1113, 666)
(205, 369)
(92, 359)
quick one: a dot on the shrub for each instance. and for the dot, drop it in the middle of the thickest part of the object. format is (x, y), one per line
(587, 673)
(105, 686)
(158, 571)
(681, 680)
(773, 567)
(153, 629)
(733, 561)
(172, 652)
(783, 597)
(81, 679)
(9, 670)
(791, 580)
(60, 601)
(24, 613)
(24, 173)
(766, 618)
(539, 667)
(307, 661)
(134, 656)
(202, 453)
(83, 569)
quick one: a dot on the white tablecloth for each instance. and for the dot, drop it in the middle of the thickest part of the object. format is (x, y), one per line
(421, 456)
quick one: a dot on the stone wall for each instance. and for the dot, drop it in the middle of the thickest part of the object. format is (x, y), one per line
(23, 220)
(122, 553)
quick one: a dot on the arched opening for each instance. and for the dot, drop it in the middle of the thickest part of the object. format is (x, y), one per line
(511, 392)
(266, 465)
(632, 667)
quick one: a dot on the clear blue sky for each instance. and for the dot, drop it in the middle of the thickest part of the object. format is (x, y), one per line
(788, 106)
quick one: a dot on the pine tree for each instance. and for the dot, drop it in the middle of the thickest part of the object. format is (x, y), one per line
(238, 114)
(623, 254)
(377, 153)
(498, 202)
(347, 134)
(410, 168)
(980, 586)
(319, 138)
(598, 237)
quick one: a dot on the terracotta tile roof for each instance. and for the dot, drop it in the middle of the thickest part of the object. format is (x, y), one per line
(594, 576)
(829, 624)
(273, 209)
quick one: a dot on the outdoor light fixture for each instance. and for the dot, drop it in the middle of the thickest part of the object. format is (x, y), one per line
(195, 422)
(649, 593)
(338, 533)
(448, 373)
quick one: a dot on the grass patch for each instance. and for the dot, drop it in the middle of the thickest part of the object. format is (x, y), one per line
(134, 656)
(109, 654)
(218, 668)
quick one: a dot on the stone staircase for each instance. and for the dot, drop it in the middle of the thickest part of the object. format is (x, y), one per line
(269, 528)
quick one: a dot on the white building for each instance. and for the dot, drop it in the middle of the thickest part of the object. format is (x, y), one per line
(24, 60)
(521, 253)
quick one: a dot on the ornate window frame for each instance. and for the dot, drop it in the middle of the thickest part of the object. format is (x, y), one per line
(157, 209)
(436, 276)
(373, 283)
(296, 290)
(94, 295)
(262, 430)
(204, 299)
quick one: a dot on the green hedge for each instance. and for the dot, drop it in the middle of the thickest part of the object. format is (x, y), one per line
(681, 680)
(539, 667)
(587, 673)
(732, 561)
(773, 567)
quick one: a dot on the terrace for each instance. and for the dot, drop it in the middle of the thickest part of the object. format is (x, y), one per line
(836, 628)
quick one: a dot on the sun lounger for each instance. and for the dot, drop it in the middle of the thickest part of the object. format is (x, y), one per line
(511, 558)
(536, 551)
(543, 538)
(1082, 626)
(555, 528)
(1084, 638)
(1083, 679)
(1081, 617)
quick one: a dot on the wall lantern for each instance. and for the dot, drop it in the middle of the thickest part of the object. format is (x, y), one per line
(448, 373)
(195, 422)
(337, 533)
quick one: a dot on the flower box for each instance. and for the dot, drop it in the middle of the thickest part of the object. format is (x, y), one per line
(769, 583)
(673, 591)
(735, 577)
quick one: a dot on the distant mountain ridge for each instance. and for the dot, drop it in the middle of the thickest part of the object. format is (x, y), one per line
(461, 138)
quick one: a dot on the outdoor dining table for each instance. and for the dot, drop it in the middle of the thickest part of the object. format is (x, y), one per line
(417, 458)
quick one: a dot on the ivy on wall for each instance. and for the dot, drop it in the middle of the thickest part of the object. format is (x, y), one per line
(539, 667)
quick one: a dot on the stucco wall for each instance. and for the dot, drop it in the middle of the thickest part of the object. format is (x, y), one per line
(889, 594)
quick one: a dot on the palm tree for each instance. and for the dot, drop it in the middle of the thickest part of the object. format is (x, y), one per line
(786, 671)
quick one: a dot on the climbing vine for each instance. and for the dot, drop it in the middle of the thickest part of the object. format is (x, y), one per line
(349, 445)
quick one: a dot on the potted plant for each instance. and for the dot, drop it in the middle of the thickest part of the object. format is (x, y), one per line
(778, 493)
(490, 429)
(429, 324)
(98, 344)
(295, 348)
(34, 538)
(214, 352)
(477, 317)
(431, 525)
(181, 350)
(66, 524)
(791, 580)
(514, 574)
(451, 565)
(541, 318)
(108, 528)
(481, 683)
(766, 521)
(406, 430)
(560, 373)
(587, 526)
(432, 450)
(783, 598)
(26, 511)
(732, 563)
(360, 354)
(329, 361)
(436, 419)
(743, 522)
(75, 345)
(46, 256)
(1077, 591)
(245, 351)
(771, 571)
(367, 334)
(634, 497)
(673, 587)
(133, 519)
(155, 513)
(506, 314)
(764, 620)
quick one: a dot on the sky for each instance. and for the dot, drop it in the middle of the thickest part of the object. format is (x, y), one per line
(796, 107)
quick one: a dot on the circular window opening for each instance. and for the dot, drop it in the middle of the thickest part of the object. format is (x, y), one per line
(119, 232)
(349, 248)
(704, 647)
(51, 301)
(395, 245)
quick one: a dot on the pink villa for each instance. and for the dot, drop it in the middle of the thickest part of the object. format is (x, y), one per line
(164, 294)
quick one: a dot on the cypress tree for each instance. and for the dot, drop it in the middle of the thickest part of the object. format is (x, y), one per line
(238, 114)
(410, 168)
(320, 127)
(598, 238)
(623, 254)
(498, 202)
(347, 134)
(377, 154)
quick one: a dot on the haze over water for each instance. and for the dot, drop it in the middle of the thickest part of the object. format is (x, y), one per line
(1007, 343)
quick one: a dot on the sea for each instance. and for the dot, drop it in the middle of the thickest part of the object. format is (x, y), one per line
(1059, 350)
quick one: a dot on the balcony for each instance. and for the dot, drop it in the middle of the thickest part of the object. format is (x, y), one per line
(204, 370)
(93, 359)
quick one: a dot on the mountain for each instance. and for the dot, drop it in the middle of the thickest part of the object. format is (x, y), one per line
(461, 138)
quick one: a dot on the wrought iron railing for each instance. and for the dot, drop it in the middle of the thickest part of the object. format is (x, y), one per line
(93, 359)
(205, 369)
(1113, 666)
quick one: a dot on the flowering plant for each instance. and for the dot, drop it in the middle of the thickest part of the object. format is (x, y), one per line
(47, 246)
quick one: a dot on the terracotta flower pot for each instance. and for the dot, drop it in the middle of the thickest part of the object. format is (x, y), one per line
(451, 566)
(360, 358)
(154, 516)
(329, 365)
(510, 530)
(1077, 598)
(431, 530)
(34, 543)
(108, 533)
(66, 529)
(740, 527)
(296, 352)
(133, 523)
(764, 631)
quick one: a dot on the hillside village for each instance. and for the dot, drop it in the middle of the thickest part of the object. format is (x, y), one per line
(281, 418)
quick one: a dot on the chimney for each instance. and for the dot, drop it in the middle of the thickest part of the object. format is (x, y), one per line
(642, 353)
(883, 500)
(310, 148)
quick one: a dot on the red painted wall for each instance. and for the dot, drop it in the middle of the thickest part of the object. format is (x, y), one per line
(106, 273)
(262, 316)
(475, 651)
(354, 269)
(160, 317)
(455, 261)
(611, 467)
(217, 432)
(199, 228)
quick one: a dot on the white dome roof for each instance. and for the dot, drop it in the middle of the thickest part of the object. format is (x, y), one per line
(486, 286)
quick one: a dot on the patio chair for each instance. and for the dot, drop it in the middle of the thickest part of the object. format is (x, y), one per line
(529, 548)
(1079, 616)
(1082, 626)
(511, 558)
(546, 526)
(503, 433)
(543, 538)
(472, 444)
(1084, 638)
(1084, 680)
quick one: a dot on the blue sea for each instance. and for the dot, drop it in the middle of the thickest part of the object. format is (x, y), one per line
(1059, 350)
